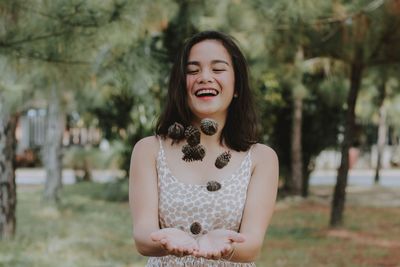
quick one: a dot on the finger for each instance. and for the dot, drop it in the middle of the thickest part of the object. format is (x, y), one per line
(157, 236)
(212, 254)
(237, 237)
(215, 255)
(197, 254)
(202, 253)
(194, 246)
(181, 249)
(178, 252)
(170, 247)
(164, 243)
(226, 249)
(188, 251)
(174, 252)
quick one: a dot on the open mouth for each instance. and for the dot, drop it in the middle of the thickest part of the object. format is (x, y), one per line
(206, 92)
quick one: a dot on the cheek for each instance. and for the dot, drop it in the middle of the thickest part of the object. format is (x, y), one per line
(228, 82)
(189, 82)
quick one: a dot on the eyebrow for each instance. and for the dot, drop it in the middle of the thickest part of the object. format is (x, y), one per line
(212, 62)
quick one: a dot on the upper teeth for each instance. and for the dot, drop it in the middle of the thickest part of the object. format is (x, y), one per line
(207, 91)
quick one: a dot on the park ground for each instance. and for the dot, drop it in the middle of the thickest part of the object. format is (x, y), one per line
(86, 230)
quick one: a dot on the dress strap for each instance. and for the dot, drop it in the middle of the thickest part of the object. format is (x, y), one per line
(161, 152)
(161, 149)
(248, 157)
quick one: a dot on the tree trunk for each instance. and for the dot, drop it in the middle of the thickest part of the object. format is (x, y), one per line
(382, 129)
(87, 175)
(8, 194)
(296, 148)
(341, 182)
(309, 163)
(52, 149)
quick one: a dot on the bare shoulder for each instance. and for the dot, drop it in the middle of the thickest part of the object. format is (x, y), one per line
(263, 154)
(265, 163)
(146, 146)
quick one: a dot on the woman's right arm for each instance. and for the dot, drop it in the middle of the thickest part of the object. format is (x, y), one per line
(143, 196)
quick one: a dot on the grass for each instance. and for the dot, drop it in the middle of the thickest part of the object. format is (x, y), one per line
(87, 231)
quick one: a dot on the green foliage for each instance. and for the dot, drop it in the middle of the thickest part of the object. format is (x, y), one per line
(86, 231)
(14, 88)
(75, 157)
(116, 191)
(130, 95)
(110, 60)
(82, 231)
(319, 106)
(180, 28)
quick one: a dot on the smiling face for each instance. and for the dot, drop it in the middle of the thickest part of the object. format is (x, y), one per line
(210, 80)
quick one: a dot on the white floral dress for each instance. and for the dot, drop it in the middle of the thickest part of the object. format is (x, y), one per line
(196, 210)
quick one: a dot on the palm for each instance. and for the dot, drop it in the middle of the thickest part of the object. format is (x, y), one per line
(217, 243)
(175, 241)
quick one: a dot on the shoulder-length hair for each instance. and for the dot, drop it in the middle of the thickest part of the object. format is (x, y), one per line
(241, 127)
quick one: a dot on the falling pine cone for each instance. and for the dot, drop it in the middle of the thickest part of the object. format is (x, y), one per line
(176, 131)
(208, 126)
(192, 135)
(213, 186)
(193, 153)
(223, 159)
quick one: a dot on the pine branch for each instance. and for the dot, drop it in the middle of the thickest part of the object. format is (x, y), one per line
(53, 60)
(61, 19)
(386, 36)
(33, 39)
(372, 6)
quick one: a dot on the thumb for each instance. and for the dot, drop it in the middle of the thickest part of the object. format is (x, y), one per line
(157, 236)
(237, 237)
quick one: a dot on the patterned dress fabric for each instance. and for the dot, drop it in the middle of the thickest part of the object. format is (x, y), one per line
(196, 210)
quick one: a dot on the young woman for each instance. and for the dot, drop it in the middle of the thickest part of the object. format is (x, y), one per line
(206, 200)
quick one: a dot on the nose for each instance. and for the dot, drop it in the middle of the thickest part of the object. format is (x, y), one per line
(205, 76)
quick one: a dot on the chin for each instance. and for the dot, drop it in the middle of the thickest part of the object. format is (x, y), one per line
(203, 111)
(207, 111)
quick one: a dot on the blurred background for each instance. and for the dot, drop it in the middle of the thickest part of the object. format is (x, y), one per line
(82, 81)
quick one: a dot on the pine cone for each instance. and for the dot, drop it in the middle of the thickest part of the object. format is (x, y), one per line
(208, 126)
(223, 159)
(193, 153)
(195, 228)
(213, 186)
(192, 135)
(176, 131)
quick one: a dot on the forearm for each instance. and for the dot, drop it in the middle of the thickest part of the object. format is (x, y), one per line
(248, 251)
(146, 246)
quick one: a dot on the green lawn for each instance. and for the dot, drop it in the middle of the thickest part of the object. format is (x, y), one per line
(86, 231)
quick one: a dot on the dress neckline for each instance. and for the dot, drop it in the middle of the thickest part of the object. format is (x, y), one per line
(163, 159)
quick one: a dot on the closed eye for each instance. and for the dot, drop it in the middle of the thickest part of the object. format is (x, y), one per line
(218, 70)
(192, 71)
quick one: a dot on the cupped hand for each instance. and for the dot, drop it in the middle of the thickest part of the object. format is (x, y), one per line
(217, 244)
(176, 242)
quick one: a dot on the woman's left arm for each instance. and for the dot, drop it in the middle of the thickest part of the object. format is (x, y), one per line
(260, 203)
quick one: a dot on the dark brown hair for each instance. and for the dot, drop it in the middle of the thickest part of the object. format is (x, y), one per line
(241, 126)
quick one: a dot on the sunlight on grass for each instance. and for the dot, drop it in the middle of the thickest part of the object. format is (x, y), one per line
(87, 231)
